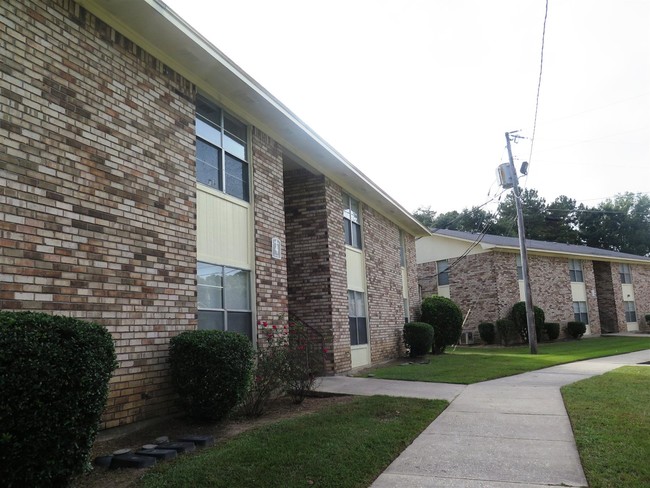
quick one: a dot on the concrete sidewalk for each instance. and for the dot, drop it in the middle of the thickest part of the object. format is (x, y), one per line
(507, 433)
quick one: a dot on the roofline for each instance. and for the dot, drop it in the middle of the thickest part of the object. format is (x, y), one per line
(176, 43)
(531, 248)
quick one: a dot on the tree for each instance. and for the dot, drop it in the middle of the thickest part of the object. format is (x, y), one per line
(561, 221)
(534, 208)
(621, 224)
(425, 216)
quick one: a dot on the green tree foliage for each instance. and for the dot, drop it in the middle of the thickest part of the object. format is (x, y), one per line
(619, 224)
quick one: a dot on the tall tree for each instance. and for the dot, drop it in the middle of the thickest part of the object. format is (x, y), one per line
(534, 210)
(620, 224)
(425, 216)
(561, 221)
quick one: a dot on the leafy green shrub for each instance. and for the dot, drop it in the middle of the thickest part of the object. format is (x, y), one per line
(576, 329)
(552, 330)
(446, 319)
(210, 370)
(505, 329)
(54, 374)
(487, 332)
(518, 316)
(305, 361)
(418, 338)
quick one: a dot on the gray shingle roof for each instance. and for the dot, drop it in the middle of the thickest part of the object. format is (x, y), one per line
(533, 245)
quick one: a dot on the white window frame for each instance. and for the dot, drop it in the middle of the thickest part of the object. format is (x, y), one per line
(625, 273)
(352, 222)
(442, 268)
(357, 306)
(580, 312)
(576, 273)
(630, 311)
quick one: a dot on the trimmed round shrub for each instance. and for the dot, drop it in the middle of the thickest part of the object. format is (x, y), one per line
(505, 329)
(552, 330)
(446, 319)
(576, 329)
(54, 374)
(211, 371)
(518, 316)
(418, 338)
(487, 332)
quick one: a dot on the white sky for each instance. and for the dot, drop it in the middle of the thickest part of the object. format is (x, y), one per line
(418, 93)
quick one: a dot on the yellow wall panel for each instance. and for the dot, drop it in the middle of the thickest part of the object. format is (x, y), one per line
(628, 292)
(355, 269)
(578, 292)
(223, 231)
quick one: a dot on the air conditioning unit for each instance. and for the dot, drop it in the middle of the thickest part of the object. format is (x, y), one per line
(505, 176)
(467, 338)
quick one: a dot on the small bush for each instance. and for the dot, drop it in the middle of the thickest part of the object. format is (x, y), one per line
(576, 329)
(54, 374)
(505, 329)
(446, 319)
(418, 338)
(268, 370)
(518, 316)
(305, 361)
(210, 370)
(552, 330)
(487, 332)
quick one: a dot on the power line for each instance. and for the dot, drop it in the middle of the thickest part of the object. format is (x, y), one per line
(539, 83)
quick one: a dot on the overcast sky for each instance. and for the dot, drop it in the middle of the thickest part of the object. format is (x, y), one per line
(418, 94)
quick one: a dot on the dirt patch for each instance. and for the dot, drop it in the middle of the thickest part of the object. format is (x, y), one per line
(282, 408)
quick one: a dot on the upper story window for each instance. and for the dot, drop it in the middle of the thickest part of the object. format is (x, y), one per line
(625, 273)
(402, 250)
(221, 150)
(443, 272)
(351, 221)
(520, 268)
(575, 270)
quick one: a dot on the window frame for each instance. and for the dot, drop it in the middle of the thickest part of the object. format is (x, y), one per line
(630, 311)
(357, 300)
(442, 272)
(625, 273)
(575, 273)
(582, 312)
(230, 147)
(352, 229)
(225, 311)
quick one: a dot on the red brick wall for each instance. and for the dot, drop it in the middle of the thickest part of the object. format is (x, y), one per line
(641, 282)
(488, 284)
(384, 284)
(309, 264)
(268, 191)
(97, 190)
(412, 276)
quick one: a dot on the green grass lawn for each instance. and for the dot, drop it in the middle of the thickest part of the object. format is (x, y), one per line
(344, 446)
(610, 415)
(468, 365)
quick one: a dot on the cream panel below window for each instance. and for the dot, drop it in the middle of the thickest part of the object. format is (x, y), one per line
(223, 231)
(355, 269)
(405, 285)
(360, 355)
(443, 291)
(522, 291)
(628, 292)
(578, 292)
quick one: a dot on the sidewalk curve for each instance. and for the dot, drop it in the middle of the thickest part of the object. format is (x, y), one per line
(511, 432)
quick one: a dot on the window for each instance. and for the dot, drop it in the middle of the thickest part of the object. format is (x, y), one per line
(221, 151)
(520, 268)
(223, 297)
(625, 273)
(443, 272)
(630, 311)
(402, 250)
(575, 270)
(351, 221)
(580, 312)
(357, 318)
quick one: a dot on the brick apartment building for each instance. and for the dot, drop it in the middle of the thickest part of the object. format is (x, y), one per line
(149, 184)
(610, 291)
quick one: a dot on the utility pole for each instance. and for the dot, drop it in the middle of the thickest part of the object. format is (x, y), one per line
(530, 313)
